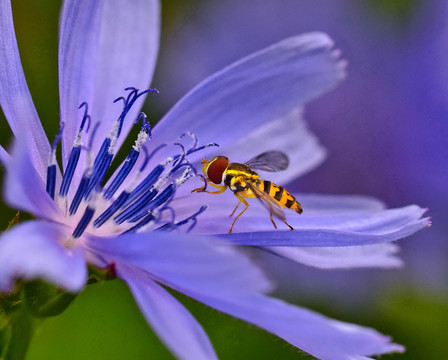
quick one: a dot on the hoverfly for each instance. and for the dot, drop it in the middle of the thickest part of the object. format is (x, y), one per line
(246, 183)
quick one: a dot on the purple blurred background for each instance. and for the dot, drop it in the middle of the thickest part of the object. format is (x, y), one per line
(385, 127)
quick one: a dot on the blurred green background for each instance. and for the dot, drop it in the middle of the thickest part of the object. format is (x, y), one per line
(104, 322)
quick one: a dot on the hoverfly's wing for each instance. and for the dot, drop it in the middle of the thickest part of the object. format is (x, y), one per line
(267, 201)
(269, 161)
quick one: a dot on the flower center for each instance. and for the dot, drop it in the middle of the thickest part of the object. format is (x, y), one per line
(133, 198)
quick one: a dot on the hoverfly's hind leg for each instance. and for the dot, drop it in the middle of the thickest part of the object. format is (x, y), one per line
(275, 225)
(241, 200)
(272, 220)
(288, 225)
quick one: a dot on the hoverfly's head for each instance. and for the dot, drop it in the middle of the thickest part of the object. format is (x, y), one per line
(214, 169)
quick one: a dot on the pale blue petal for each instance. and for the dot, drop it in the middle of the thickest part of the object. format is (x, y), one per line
(377, 255)
(15, 98)
(24, 189)
(318, 335)
(173, 257)
(339, 230)
(260, 88)
(172, 322)
(105, 46)
(289, 134)
(31, 250)
(326, 221)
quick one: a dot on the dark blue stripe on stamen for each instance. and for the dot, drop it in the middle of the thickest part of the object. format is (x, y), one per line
(106, 215)
(136, 206)
(98, 174)
(163, 197)
(51, 180)
(85, 220)
(148, 218)
(122, 174)
(79, 194)
(103, 150)
(70, 170)
(146, 184)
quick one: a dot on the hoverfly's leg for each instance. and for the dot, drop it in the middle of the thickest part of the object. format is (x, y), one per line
(288, 225)
(236, 207)
(221, 188)
(272, 220)
(241, 198)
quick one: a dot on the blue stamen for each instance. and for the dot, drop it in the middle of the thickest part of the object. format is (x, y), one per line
(116, 205)
(51, 169)
(170, 226)
(75, 153)
(163, 198)
(194, 137)
(137, 206)
(130, 159)
(85, 220)
(146, 184)
(129, 102)
(147, 219)
(51, 180)
(80, 192)
(70, 170)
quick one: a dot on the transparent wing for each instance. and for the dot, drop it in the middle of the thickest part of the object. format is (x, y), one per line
(267, 201)
(269, 161)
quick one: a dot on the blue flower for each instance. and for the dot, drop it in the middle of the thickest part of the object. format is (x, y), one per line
(137, 221)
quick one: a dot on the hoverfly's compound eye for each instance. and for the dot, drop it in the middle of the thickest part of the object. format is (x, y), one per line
(216, 168)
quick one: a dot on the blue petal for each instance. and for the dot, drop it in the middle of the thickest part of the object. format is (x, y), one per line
(318, 335)
(289, 134)
(24, 189)
(174, 324)
(4, 156)
(351, 230)
(105, 47)
(32, 250)
(15, 98)
(173, 257)
(377, 255)
(326, 221)
(259, 88)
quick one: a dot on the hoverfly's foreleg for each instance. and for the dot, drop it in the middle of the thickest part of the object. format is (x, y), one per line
(221, 188)
(242, 200)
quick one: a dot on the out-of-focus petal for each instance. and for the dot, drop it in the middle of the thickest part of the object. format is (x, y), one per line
(15, 98)
(377, 255)
(174, 324)
(24, 188)
(318, 335)
(176, 257)
(105, 46)
(31, 251)
(4, 156)
(262, 87)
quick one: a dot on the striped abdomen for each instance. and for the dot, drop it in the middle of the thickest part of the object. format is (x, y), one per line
(283, 197)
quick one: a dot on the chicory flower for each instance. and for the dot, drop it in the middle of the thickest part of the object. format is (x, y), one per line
(136, 222)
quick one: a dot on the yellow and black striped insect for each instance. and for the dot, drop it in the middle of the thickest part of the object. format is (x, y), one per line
(246, 183)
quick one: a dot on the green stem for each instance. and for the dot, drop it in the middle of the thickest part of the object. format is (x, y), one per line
(17, 329)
